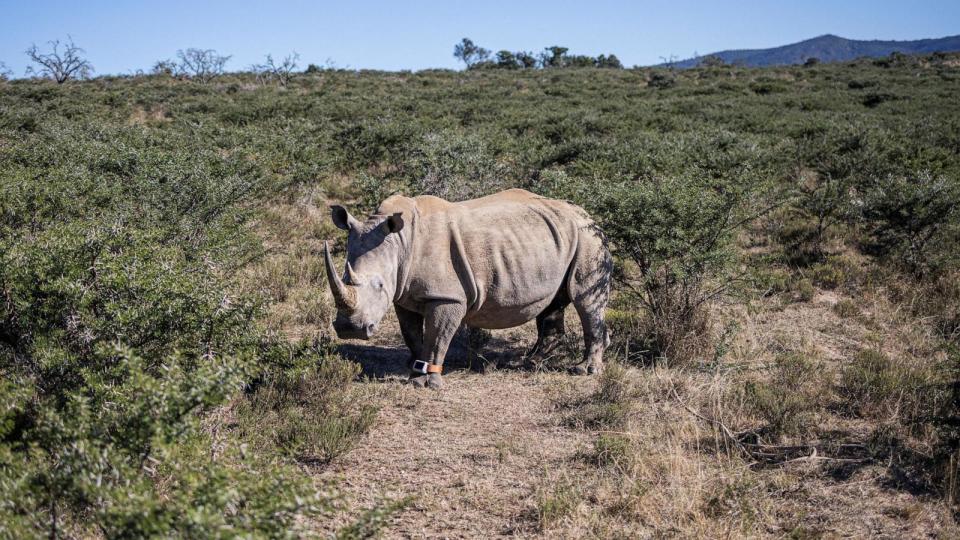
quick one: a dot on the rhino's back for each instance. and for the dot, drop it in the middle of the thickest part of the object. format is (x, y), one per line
(516, 198)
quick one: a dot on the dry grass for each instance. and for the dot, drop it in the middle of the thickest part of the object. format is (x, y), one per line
(291, 276)
(670, 473)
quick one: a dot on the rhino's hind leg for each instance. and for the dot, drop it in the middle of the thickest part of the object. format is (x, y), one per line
(595, 342)
(590, 290)
(550, 331)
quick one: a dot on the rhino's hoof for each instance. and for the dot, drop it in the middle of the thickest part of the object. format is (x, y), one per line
(435, 381)
(420, 381)
(432, 380)
(595, 369)
(579, 369)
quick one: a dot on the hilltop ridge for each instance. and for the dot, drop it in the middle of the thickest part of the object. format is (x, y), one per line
(825, 48)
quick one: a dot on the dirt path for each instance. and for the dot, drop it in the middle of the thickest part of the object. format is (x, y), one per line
(471, 455)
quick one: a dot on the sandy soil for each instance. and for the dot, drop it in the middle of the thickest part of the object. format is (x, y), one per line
(472, 455)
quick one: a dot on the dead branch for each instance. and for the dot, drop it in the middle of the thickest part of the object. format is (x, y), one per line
(59, 64)
(202, 64)
(281, 71)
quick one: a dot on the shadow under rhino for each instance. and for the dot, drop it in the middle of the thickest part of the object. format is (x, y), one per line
(381, 362)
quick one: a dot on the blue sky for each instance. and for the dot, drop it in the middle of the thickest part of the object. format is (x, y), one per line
(121, 37)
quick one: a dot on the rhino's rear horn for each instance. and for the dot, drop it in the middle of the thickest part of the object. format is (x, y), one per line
(343, 294)
(352, 276)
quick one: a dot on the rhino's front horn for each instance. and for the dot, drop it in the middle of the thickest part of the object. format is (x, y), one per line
(343, 294)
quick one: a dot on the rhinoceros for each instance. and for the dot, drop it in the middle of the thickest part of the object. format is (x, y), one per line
(494, 262)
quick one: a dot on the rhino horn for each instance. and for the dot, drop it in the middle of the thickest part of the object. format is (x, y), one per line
(352, 276)
(343, 294)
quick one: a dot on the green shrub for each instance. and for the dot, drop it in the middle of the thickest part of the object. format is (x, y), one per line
(455, 167)
(765, 87)
(770, 280)
(804, 289)
(914, 220)
(129, 438)
(846, 308)
(121, 328)
(661, 80)
(676, 234)
(873, 99)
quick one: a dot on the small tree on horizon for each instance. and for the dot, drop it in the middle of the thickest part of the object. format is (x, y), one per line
(526, 59)
(507, 59)
(202, 64)
(470, 53)
(165, 67)
(516, 60)
(59, 64)
(554, 56)
(711, 61)
(272, 70)
(5, 72)
(611, 61)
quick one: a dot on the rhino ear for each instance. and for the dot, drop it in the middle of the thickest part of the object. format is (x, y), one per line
(393, 223)
(342, 218)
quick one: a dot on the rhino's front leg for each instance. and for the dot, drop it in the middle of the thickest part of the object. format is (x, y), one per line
(411, 328)
(442, 321)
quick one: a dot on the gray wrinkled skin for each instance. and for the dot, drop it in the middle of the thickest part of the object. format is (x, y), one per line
(494, 262)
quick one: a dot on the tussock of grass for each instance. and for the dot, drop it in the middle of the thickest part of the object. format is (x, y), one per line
(314, 415)
(846, 308)
(557, 502)
(804, 290)
(875, 386)
(790, 398)
(607, 408)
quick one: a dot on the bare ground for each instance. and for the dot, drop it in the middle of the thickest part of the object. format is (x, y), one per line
(472, 456)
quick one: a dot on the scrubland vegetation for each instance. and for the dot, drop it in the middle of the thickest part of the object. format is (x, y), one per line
(785, 320)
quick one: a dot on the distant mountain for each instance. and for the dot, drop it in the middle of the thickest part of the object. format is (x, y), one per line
(827, 48)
